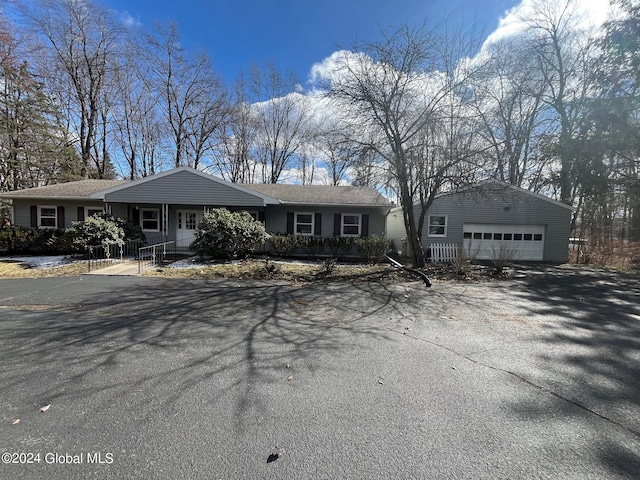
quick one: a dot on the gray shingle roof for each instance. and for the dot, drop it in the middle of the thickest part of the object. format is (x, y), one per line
(293, 194)
(77, 189)
(321, 194)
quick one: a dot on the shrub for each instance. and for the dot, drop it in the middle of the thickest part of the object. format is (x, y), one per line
(466, 256)
(284, 245)
(340, 247)
(373, 248)
(225, 234)
(502, 256)
(312, 246)
(33, 240)
(96, 230)
(17, 239)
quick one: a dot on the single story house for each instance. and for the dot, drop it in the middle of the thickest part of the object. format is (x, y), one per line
(169, 205)
(491, 216)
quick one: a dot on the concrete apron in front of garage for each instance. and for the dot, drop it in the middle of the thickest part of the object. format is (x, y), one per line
(129, 268)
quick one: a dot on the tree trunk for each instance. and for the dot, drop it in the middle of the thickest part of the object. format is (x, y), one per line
(413, 235)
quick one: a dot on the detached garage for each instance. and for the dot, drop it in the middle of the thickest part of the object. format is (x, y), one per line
(490, 217)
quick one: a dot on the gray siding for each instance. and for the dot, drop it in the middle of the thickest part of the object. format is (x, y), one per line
(22, 209)
(395, 229)
(276, 220)
(504, 206)
(184, 188)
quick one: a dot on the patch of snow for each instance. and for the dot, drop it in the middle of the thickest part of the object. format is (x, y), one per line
(190, 262)
(48, 261)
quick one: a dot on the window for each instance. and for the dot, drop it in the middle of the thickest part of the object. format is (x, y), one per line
(477, 236)
(304, 224)
(256, 216)
(89, 211)
(537, 237)
(437, 226)
(517, 236)
(150, 219)
(190, 220)
(47, 217)
(497, 236)
(486, 236)
(466, 235)
(508, 236)
(350, 225)
(528, 237)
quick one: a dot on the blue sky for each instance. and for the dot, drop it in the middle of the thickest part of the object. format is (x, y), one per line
(295, 34)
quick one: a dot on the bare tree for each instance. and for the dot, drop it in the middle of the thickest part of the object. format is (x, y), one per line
(395, 89)
(192, 98)
(33, 147)
(233, 154)
(562, 54)
(507, 100)
(136, 121)
(82, 39)
(282, 120)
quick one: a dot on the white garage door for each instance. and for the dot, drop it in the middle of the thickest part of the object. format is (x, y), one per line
(485, 240)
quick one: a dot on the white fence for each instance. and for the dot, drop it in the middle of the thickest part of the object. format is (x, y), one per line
(443, 252)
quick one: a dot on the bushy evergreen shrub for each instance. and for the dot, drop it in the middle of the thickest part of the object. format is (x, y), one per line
(32, 240)
(225, 234)
(312, 246)
(373, 248)
(96, 230)
(339, 247)
(284, 245)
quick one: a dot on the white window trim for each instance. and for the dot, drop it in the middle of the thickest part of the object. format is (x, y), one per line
(255, 214)
(342, 225)
(55, 216)
(295, 223)
(157, 210)
(86, 210)
(446, 225)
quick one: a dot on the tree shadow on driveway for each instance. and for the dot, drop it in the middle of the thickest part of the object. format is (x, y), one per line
(174, 338)
(592, 348)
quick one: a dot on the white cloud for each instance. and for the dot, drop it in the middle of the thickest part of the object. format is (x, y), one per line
(591, 13)
(128, 21)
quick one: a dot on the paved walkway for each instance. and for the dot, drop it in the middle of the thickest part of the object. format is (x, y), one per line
(128, 268)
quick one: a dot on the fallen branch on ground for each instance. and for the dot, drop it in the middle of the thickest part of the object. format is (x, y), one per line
(422, 275)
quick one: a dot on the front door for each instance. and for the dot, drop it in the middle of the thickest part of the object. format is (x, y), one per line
(187, 225)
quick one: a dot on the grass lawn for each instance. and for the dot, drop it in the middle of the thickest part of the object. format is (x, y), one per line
(15, 269)
(287, 271)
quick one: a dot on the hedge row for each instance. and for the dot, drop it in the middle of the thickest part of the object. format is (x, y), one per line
(372, 249)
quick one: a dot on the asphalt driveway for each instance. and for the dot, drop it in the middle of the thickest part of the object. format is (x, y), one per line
(163, 378)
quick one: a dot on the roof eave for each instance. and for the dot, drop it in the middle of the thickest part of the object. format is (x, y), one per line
(337, 204)
(47, 197)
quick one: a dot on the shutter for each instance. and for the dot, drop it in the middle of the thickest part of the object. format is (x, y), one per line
(317, 224)
(337, 224)
(135, 216)
(61, 217)
(290, 223)
(261, 216)
(34, 216)
(80, 214)
(365, 225)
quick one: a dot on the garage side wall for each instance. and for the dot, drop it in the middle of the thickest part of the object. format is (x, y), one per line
(504, 206)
